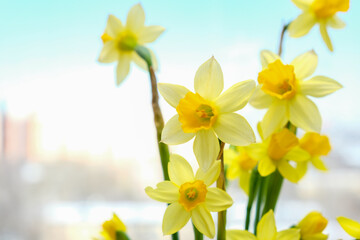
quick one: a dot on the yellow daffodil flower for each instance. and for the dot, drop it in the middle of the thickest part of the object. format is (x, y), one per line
(350, 226)
(316, 145)
(275, 153)
(111, 227)
(266, 230)
(322, 12)
(312, 226)
(121, 40)
(283, 90)
(240, 165)
(190, 197)
(206, 114)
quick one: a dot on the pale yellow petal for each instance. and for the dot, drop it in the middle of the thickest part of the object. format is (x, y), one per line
(113, 26)
(239, 235)
(325, 36)
(336, 22)
(209, 176)
(244, 181)
(234, 129)
(266, 166)
(288, 171)
(180, 170)
(266, 229)
(173, 134)
(304, 114)
(164, 192)
(319, 86)
(305, 64)
(318, 163)
(303, 4)
(175, 218)
(150, 33)
(123, 68)
(302, 24)
(109, 53)
(350, 226)
(267, 57)
(203, 221)
(289, 234)
(260, 99)
(275, 118)
(206, 148)
(209, 80)
(135, 19)
(172, 93)
(236, 97)
(217, 200)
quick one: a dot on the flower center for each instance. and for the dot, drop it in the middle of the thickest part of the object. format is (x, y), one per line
(192, 194)
(281, 143)
(278, 80)
(327, 8)
(246, 162)
(315, 144)
(127, 42)
(196, 113)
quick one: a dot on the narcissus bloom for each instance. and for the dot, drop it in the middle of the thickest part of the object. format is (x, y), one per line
(283, 90)
(322, 12)
(312, 226)
(266, 230)
(206, 114)
(113, 227)
(275, 153)
(317, 146)
(350, 226)
(240, 165)
(121, 40)
(190, 197)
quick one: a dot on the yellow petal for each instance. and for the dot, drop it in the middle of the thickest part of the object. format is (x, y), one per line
(260, 99)
(211, 175)
(266, 229)
(234, 129)
(305, 64)
(113, 26)
(175, 218)
(230, 155)
(302, 24)
(203, 221)
(336, 22)
(206, 148)
(266, 167)
(350, 226)
(275, 118)
(239, 235)
(267, 57)
(319, 86)
(172, 93)
(318, 163)
(304, 114)
(164, 192)
(325, 36)
(288, 171)
(258, 151)
(298, 154)
(173, 134)
(150, 34)
(289, 234)
(217, 200)
(303, 4)
(180, 170)
(236, 97)
(301, 169)
(123, 68)
(209, 81)
(135, 19)
(109, 53)
(244, 181)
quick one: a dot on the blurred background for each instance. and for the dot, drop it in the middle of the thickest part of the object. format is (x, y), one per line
(75, 148)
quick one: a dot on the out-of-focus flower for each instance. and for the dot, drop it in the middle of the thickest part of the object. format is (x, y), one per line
(206, 114)
(240, 165)
(190, 197)
(114, 229)
(283, 90)
(266, 230)
(121, 40)
(275, 153)
(316, 145)
(322, 12)
(312, 226)
(350, 226)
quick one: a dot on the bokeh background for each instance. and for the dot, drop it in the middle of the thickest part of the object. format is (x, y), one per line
(75, 148)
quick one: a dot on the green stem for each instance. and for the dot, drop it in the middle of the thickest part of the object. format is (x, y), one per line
(259, 202)
(254, 180)
(273, 191)
(221, 235)
(197, 235)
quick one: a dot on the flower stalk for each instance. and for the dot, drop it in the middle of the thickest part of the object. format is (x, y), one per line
(254, 183)
(221, 184)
